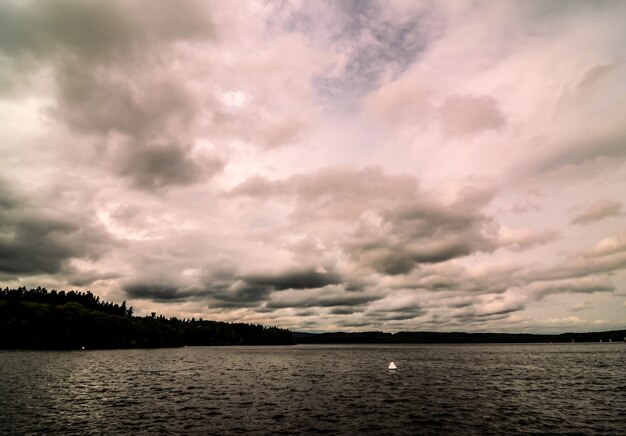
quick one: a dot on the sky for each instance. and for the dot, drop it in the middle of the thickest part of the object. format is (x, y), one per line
(320, 165)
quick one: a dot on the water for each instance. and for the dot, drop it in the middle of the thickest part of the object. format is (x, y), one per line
(347, 389)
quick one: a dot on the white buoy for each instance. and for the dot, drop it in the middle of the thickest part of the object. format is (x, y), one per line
(82, 348)
(392, 366)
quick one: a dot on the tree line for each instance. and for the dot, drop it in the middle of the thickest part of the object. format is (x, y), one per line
(42, 319)
(455, 337)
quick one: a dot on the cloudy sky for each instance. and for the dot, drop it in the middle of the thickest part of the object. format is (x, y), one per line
(344, 165)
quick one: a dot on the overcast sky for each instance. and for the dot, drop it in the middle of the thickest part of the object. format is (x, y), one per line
(344, 165)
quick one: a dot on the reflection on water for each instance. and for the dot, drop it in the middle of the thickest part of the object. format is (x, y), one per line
(467, 389)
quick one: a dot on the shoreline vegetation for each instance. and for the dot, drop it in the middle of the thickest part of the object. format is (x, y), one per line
(38, 319)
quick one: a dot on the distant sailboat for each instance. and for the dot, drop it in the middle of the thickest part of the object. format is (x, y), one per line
(392, 366)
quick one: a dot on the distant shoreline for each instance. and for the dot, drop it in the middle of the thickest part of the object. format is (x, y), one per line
(456, 338)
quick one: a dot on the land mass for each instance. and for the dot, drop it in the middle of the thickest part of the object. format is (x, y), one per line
(49, 320)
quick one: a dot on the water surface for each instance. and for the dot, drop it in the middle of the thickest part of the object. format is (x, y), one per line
(308, 389)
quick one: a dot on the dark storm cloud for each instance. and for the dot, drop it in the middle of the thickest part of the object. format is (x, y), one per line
(253, 289)
(156, 291)
(296, 279)
(239, 295)
(36, 240)
(222, 287)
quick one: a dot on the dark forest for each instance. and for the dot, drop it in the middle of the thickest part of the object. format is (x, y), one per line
(42, 319)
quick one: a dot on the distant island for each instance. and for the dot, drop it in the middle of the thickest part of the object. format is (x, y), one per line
(58, 320)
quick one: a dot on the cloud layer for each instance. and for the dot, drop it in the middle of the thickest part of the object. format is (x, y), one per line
(320, 166)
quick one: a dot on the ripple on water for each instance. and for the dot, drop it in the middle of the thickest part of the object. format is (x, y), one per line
(464, 389)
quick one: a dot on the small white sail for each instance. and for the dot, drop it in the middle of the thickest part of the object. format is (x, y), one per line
(392, 366)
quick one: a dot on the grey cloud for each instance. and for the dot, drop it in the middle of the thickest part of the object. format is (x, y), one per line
(85, 28)
(251, 289)
(446, 277)
(256, 186)
(585, 285)
(159, 165)
(141, 120)
(294, 279)
(579, 307)
(608, 256)
(222, 287)
(585, 272)
(527, 240)
(460, 304)
(34, 240)
(406, 312)
(334, 193)
(595, 76)
(481, 310)
(335, 297)
(427, 233)
(356, 323)
(106, 58)
(240, 295)
(156, 291)
(412, 228)
(598, 211)
(342, 311)
(96, 31)
(100, 100)
(609, 146)
(474, 319)
(395, 315)
(81, 278)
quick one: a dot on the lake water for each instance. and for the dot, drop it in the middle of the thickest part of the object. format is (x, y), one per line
(308, 389)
